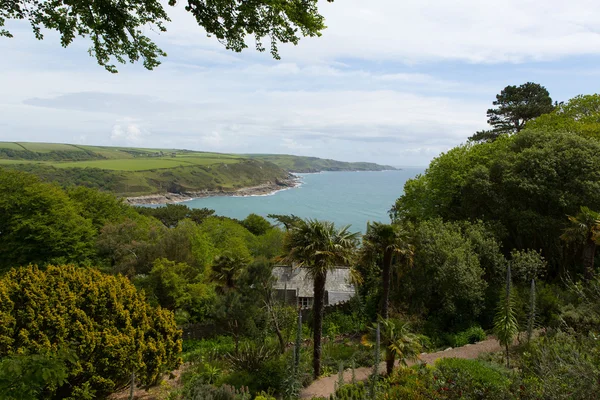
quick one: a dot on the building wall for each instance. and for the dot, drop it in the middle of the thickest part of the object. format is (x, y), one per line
(293, 283)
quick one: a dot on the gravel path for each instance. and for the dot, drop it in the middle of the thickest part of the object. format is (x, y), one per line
(326, 386)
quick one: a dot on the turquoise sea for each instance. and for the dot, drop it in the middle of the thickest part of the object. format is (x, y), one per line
(346, 198)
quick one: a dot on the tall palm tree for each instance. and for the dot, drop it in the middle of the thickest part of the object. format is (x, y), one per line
(318, 246)
(584, 229)
(387, 243)
(226, 271)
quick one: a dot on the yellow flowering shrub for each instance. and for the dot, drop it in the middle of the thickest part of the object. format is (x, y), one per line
(102, 318)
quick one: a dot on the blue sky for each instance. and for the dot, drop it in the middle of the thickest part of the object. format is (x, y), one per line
(394, 82)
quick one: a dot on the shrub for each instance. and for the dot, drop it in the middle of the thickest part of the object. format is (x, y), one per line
(563, 367)
(469, 379)
(112, 328)
(412, 384)
(207, 349)
(250, 356)
(196, 390)
(346, 352)
(337, 323)
(472, 335)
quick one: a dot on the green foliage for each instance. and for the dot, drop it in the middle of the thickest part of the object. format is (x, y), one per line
(526, 265)
(343, 323)
(561, 366)
(470, 336)
(356, 391)
(131, 246)
(196, 389)
(256, 224)
(268, 245)
(180, 288)
(207, 349)
(506, 326)
(152, 175)
(318, 246)
(446, 283)
(112, 326)
(250, 356)
(99, 207)
(584, 230)
(469, 379)
(25, 377)
(522, 186)
(40, 224)
(228, 237)
(124, 39)
(348, 352)
(389, 245)
(516, 106)
(580, 115)
(582, 313)
(171, 214)
(302, 164)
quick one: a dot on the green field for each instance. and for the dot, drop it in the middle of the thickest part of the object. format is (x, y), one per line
(136, 171)
(48, 147)
(10, 146)
(144, 164)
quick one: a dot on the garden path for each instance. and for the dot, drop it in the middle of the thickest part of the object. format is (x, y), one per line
(326, 386)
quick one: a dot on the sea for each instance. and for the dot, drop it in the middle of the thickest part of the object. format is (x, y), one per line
(345, 198)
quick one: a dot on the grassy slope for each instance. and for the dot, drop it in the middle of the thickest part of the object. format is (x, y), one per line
(314, 164)
(129, 171)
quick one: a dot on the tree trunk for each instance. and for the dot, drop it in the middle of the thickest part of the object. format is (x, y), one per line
(318, 306)
(387, 276)
(589, 251)
(390, 358)
(507, 358)
(385, 306)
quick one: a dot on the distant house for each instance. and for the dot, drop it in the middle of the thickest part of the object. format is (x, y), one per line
(295, 287)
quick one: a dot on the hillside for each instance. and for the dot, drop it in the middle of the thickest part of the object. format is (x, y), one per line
(131, 171)
(302, 164)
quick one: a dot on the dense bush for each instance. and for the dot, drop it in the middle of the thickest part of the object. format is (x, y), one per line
(560, 366)
(109, 324)
(472, 335)
(207, 349)
(523, 185)
(197, 390)
(39, 223)
(446, 284)
(338, 322)
(469, 379)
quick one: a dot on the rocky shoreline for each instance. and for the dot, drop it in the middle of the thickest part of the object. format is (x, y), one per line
(259, 190)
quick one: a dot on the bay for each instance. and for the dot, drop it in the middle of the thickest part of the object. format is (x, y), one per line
(345, 198)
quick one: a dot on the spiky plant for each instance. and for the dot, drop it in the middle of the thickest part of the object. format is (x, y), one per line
(506, 325)
(532, 310)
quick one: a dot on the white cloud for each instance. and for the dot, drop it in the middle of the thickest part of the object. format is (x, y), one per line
(389, 81)
(127, 132)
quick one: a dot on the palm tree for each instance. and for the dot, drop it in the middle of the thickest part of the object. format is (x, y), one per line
(226, 271)
(389, 242)
(318, 246)
(401, 343)
(585, 229)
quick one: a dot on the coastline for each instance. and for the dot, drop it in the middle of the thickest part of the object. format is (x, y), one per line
(264, 189)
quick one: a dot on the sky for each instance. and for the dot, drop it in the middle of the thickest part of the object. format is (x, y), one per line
(390, 81)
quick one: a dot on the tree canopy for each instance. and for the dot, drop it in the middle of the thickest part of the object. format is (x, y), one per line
(117, 30)
(525, 185)
(516, 106)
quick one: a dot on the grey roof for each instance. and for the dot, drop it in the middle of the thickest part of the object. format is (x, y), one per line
(338, 280)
